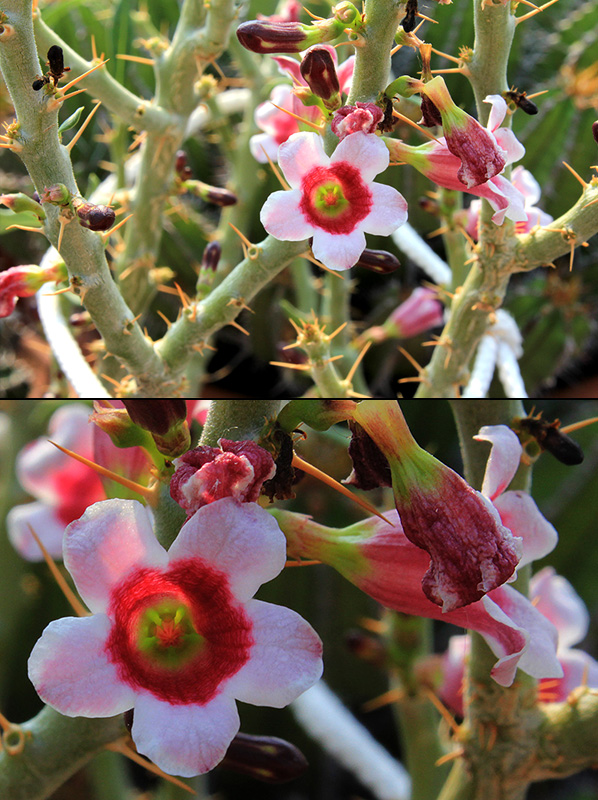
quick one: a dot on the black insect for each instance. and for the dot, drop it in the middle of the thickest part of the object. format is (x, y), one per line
(521, 101)
(56, 71)
(387, 122)
(409, 20)
(550, 438)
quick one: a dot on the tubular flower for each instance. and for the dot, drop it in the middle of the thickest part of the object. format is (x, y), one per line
(437, 162)
(471, 551)
(277, 125)
(418, 313)
(553, 597)
(380, 560)
(175, 635)
(525, 183)
(234, 469)
(25, 281)
(333, 199)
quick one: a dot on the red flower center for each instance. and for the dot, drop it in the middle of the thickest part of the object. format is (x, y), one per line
(178, 633)
(335, 198)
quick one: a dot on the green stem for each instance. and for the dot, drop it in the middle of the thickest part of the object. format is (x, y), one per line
(237, 419)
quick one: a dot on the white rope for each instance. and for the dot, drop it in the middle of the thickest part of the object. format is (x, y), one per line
(411, 243)
(327, 720)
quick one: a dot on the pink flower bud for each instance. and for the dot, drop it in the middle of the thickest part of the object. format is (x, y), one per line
(286, 37)
(206, 474)
(24, 281)
(57, 195)
(166, 420)
(420, 312)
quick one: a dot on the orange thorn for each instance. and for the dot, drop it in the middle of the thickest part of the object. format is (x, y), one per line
(120, 747)
(241, 236)
(449, 757)
(301, 367)
(63, 223)
(301, 563)
(94, 52)
(239, 327)
(185, 300)
(297, 117)
(413, 124)
(575, 426)
(276, 171)
(75, 138)
(322, 476)
(446, 55)
(357, 362)
(25, 228)
(66, 590)
(576, 175)
(149, 494)
(107, 234)
(165, 318)
(138, 59)
(533, 13)
(385, 699)
(442, 710)
(308, 12)
(315, 261)
(60, 291)
(61, 99)
(83, 75)
(411, 360)
(337, 331)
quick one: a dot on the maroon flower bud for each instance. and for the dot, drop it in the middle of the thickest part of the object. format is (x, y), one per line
(265, 758)
(180, 161)
(286, 37)
(317, 69)
(366, 647)
(595, 131)
(166, 420)
(206, 474)
(211, 194)
(211, 256)
(96, 218)
(409, 21)
(378, 261)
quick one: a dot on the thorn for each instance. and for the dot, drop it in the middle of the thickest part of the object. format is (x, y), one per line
(199, 347)
(25, 228)
(166, 320)
(442, 710)
(297, 117)
(60, 291)
(411, 360)
(242, 236)
(332, 335)
(121, 747)
(576, 175)
(533, 13)
(413, 124)
(107, 234)
(239, 327)
(331, 359)
(308, 12)
(301, 563)
(427, 19)
(446, 55)
(185, 300)
(536, 94)
(357, 362)
(138, 59)
(62, 98)
(449, 757)
(94, 52)
(66, 590)
(300, 367)
(385, 699)
(437, 232)
(575, 426)
(83, 75)
(276, 171)
(322, 476)
(112, 380)
(149, 494)
(315, 261)
(63, 223)
(75, 138)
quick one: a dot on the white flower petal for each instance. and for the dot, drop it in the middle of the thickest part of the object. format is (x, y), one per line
(498, 111)
(71, 672)
(521, 515)
(338, 251)
(554, 597)
(299, 154)
(184, 740)
(111, 538)
(42, 518)
(285, 660)
(503, 460)
(389, 210)
(365, 151)
(282, 218)
(240, 539)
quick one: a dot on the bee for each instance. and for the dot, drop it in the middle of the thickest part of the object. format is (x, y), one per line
(550, 438)
(57, 69)
(521, 101)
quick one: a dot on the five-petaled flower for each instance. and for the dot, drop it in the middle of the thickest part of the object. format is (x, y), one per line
(333, 199)
(175, 635)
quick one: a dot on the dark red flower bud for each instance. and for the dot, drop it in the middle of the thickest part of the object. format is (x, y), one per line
(211, 256)
(378, 261)
(166, 420)
(180, 161)
(265, 758)
(286, 37)
(595, 130)
(409, 21)
(317, 69)
(96, 218)
(220, 197)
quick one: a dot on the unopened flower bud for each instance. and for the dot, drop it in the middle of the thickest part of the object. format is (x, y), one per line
(24, 281)
(21, 202)
(595, 131)
(265, 758)
(211, 194)
(409, 21)
(286, 37)
(317, 69)
(96, 218)
(57, 195)
(429, 205)
(405, 85)
(379, 261)
(211, 256)
(209, 265)
(166, 420)
(366, 647)
(420, 312)
(119, 426)
(348, 14)
(180, 161)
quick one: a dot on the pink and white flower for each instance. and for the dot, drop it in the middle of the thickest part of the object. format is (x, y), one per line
(437, 162)
(525, 183)
(63, 487)
(333, 199)
(277, 125)
(176, 635)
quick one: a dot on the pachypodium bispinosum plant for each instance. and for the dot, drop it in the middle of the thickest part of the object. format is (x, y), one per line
(169, 635)
(333, 97)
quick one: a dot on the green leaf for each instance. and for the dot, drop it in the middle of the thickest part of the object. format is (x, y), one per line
(71, 121)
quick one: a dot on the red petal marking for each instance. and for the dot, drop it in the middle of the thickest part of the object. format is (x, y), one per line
(215, 614)
(355, 191)
(79, 488)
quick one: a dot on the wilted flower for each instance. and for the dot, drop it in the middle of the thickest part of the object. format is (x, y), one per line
(333, 199)
(364, 117)
(234, 469)
(25, 281)
(175, 635)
